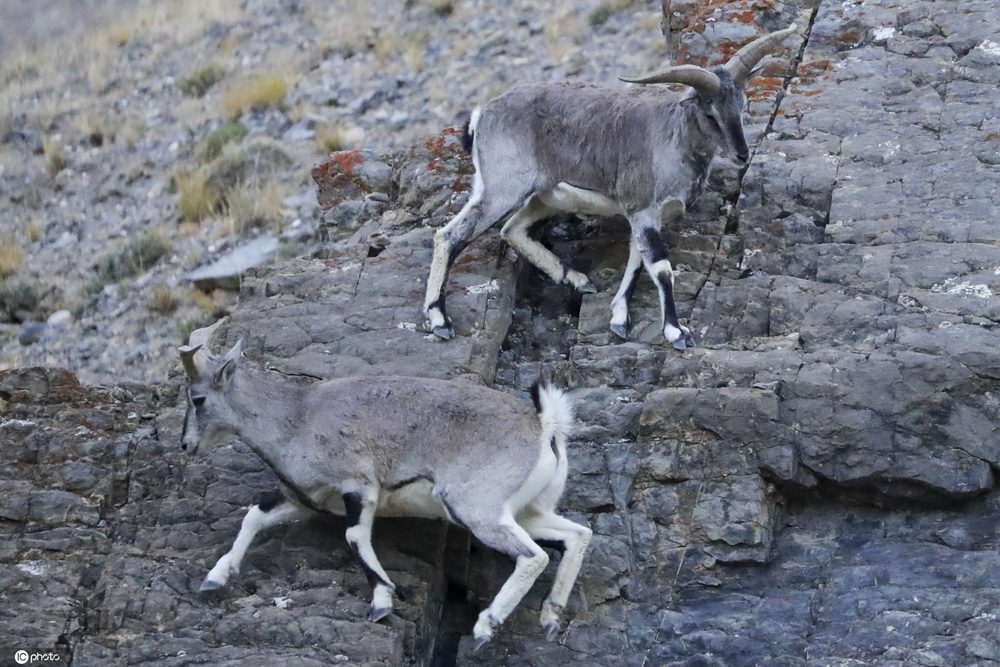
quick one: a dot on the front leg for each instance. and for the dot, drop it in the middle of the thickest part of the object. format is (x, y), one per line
(646, 232)
(359, 508)
(272, 512)
(620, 304)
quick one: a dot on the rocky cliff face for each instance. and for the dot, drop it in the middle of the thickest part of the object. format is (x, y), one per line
(814, 484)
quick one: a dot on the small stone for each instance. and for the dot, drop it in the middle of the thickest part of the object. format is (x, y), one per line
(60, 318)
(32, 333)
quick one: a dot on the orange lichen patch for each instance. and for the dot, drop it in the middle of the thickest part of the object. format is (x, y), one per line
(764, 88)
(347, 160)
(814, 68)
(461, 183)
(48, 386)
(811, 93)
(993, 136)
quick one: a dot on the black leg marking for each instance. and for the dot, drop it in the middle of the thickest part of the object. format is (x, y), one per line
(657, 250)
(668, 300)
(352, 509)
(370, 575)
(556, 545)
(536, 396)
(352, 514)
(630, 287)
(270, 500)
(555, 448)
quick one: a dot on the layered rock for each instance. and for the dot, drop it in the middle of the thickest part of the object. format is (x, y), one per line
(814, 484)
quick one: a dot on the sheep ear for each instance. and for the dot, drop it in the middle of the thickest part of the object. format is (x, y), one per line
(224, 375)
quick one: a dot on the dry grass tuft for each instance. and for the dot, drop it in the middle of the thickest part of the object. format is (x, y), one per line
(52, 148)
(163, 300)
(201, 81)
(11, 256)
(119, 34)
(338, 136)
(34, 230)
(198, 199)
(266, 90)
(253, 205)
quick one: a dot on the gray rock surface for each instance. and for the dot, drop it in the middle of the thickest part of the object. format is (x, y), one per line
(813, 485)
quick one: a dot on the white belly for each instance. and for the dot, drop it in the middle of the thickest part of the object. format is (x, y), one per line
(566, 197)
(413, 500)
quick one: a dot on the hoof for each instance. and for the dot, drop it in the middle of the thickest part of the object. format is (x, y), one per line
(689, 339)
(587, 288)
(551, 630)
(210, 585)
(444, 333)
(679, 344)
(377, 614)
(620, 330)
(481, 642)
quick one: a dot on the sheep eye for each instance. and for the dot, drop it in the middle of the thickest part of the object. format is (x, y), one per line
(197, 401)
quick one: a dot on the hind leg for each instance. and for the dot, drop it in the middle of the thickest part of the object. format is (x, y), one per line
(515, 232)
(547, 527)
(506, 536)
(479, 214)
(620, 322)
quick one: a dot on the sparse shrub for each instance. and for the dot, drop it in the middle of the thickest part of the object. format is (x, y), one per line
(163, 300)
(185, 328)
(252, 205)
(212, 145)
(52, 149)
(16, 301)
(10, 256)
(252, 161)
(202, 300)
(132, 131)
(606, 9)
(266, 90)
(34, 230)
(201, 81)
(133, 258)
(198, 199)
(338, 136)
(330, 137)
(442, 7)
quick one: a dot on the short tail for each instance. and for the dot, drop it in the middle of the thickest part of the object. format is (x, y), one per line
(555, 409)
(469, 131)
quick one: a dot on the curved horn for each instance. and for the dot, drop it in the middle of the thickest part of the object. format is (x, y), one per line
(690, 75)
(188, 354)
(741, 64)
(194, 355)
